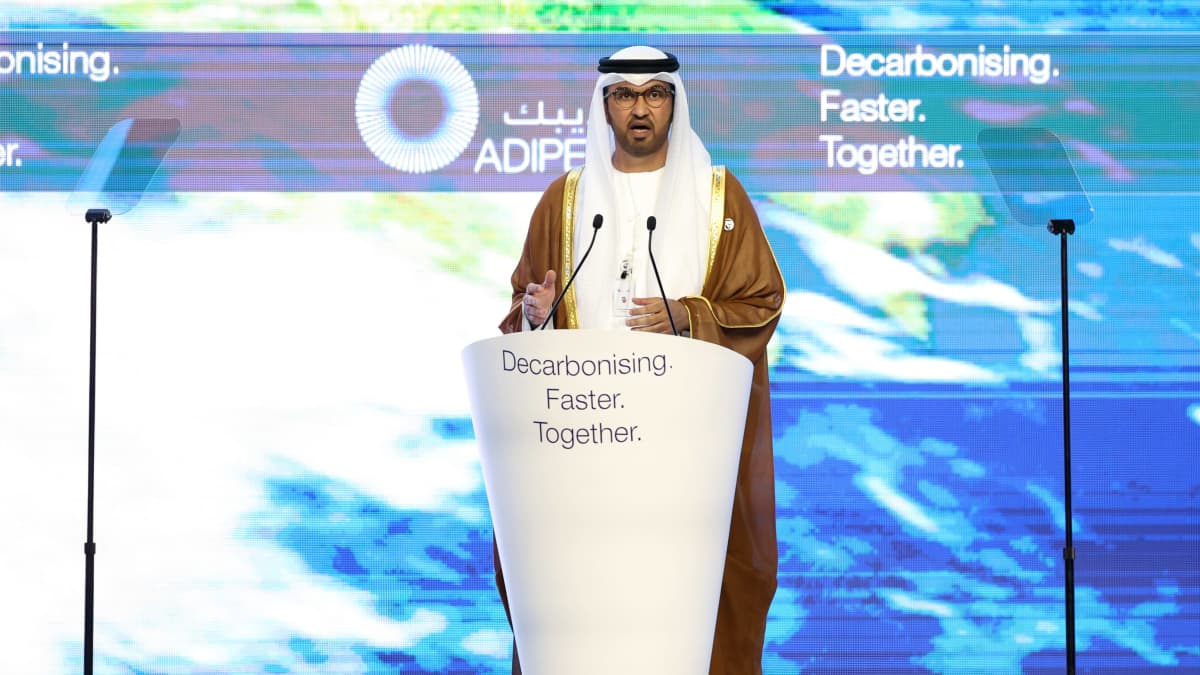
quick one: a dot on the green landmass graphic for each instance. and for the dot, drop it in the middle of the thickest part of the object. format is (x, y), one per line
(469, 235)
(954, 218)
(475, 16)
(462, 227)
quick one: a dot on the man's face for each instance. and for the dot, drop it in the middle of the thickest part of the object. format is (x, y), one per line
(641, 131)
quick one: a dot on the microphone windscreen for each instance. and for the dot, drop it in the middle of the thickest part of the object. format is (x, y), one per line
(651, 223)
(597, 221)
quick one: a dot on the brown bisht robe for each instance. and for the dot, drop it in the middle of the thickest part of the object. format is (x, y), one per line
(738, 307)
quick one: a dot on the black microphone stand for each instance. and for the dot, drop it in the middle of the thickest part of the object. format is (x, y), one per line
(1063, 228)
(652, 223)
(597, 221)
(95, 217)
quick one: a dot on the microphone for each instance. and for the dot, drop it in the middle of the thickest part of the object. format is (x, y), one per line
(651, 223)
(597, 221)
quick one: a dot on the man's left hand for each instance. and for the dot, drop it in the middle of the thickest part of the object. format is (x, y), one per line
(650, 315)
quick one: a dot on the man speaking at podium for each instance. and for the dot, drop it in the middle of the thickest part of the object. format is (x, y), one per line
(720, 277)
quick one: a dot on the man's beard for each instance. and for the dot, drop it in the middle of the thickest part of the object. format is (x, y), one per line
(642, 147)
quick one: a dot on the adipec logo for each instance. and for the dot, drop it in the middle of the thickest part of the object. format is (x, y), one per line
(417, 108)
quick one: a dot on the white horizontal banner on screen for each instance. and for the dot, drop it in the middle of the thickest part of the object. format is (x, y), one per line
(430, 112)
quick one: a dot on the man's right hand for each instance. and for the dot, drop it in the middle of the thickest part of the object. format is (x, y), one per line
(538, 298)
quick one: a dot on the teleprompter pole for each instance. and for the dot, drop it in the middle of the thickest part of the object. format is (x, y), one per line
(95, 217)
(1064, 228)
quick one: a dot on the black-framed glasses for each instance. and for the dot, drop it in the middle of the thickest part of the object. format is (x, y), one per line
(625, 98)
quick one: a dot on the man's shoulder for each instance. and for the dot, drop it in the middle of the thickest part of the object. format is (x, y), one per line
(732, 184)
(557, 186)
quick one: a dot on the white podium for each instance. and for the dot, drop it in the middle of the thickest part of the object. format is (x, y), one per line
(610, 460)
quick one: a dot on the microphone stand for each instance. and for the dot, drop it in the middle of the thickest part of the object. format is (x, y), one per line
(95, 217)
(1062, 228)
(597, 221)
(652, 223)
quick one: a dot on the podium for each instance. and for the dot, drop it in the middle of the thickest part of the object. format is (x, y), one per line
(610, 461)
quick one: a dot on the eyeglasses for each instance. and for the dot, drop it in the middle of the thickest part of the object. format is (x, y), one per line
(625, 98)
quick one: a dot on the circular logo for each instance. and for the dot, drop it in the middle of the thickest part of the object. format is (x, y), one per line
(417, 108)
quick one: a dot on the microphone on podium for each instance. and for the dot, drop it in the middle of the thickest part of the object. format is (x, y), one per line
(651, 223)
(597, 221)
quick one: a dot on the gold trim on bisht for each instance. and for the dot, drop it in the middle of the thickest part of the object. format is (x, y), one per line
(716, 216)
(760, 324)
(568, 244)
